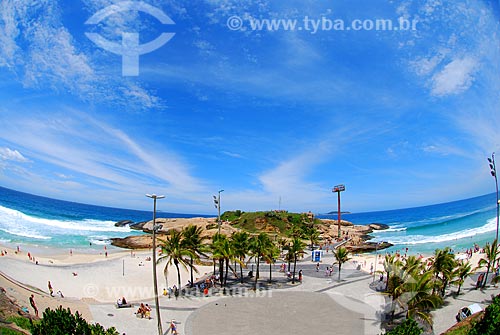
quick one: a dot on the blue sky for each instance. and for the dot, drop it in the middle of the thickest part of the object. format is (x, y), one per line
(402, 118)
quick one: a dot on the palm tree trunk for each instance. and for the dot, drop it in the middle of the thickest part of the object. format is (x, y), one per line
(340, 267)
(393, 309)
(221, 271)
(178, 274)
(486, 276)
(294, 267)
(270, 272)
(257, 273)
(387, 281)
(241, 271)
(191, 265)
(227, 272)
(443, 290)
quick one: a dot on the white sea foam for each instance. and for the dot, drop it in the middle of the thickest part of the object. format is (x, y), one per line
(422, 239)
(392, 230)
(99, 240)
(12, 218)
(22, 233)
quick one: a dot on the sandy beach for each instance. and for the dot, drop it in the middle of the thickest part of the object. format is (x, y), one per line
(91, 284)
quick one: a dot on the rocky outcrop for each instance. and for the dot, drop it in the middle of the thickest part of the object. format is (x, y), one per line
(378, 226)
(357, 235)
(133, 242)
(124, 223)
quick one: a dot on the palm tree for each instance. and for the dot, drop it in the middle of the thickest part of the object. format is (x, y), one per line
(270, 255)
(491, 252)
(225, 250)
(193, 241)
(341, 255)
(282, 242)
(391, 264)
(418, 297)
(258, 246)
(218, 253)
(442, 267)
(313, 235)
(412, 265)
(394, 286)
(296, 250)
(240, 243)
(462, 271)
(174, 252)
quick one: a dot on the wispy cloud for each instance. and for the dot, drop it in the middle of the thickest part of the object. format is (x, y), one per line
(232, 154)
(42, 52)
(101, 155)
(456, 77)
(8, 154)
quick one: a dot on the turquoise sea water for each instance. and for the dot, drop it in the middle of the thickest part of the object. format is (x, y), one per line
(457, 224)
(45, 222)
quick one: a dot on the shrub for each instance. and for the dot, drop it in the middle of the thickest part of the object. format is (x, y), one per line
(490, 323)
(62, 322)
(408, 327)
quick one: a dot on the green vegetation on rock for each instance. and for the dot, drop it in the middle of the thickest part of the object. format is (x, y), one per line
(20, 321)
(408, 327)
(62, 322)
(279, 222)
(490, 323)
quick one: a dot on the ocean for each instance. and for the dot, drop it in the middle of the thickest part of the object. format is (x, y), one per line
(49, 223)
(45, 223)
(457, 224)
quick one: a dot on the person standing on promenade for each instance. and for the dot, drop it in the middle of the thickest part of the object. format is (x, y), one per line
(32, 303)
(300, 275)
(51, 290)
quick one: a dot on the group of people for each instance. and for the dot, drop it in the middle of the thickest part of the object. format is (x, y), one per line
(174, 290)
(51, 291)
(144, 311)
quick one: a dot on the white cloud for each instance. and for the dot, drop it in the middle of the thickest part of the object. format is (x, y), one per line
(101, 156)
(7, 154)
(40, 50)
(232, 154)
(456, 77)
(441, 147)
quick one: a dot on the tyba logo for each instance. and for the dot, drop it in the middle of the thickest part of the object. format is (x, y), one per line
(130, 49)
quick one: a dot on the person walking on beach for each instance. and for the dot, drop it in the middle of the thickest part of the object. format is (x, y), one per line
(51, 290)
(173, 328)
(32, 303)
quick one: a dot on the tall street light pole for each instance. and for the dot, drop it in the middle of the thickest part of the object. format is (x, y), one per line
(155, 283)
(337, 189)
(217, 205)
(493, 171)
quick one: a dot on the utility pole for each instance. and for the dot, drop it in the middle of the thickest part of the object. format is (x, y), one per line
(155, 283)
(337, 189)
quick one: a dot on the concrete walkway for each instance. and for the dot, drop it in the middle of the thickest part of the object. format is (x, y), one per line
(319, 305)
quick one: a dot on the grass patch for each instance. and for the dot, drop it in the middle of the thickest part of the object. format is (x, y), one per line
(20, 321)
(8, 331)
(282, 223)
